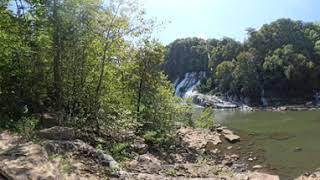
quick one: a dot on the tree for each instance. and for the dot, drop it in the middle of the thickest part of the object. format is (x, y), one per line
(226, 49)
(289, 69)
(246, 76)
(186, 55)
(224, 76)
(155, 104)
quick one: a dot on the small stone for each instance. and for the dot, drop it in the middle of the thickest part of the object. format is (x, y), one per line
(235, 156)
(220, 129)
(215, 151)
(307, 174)
(227, 162)
(229, 147)
(257, 167)
(282, 108)
(297, 149)
(250, 159)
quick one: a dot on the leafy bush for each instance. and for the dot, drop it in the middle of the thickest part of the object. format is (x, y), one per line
(26, 126)
(119, 151)
(206, 119)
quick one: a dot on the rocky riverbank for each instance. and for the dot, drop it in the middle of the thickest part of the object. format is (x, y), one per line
(216, 102)
(197, 153)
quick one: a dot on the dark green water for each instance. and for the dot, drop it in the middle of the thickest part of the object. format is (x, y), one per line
(278, 134)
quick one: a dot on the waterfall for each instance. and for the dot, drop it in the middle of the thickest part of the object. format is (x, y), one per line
(187, 86)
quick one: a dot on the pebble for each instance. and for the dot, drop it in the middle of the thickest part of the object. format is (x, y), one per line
(257, 167)
(234, 156)
(297, 149)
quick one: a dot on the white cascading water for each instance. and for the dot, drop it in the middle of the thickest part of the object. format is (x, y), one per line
(187, 86)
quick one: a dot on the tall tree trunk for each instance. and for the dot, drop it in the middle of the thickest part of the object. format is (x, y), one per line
(57, 75)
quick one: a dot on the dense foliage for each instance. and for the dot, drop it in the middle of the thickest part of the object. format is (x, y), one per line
(281, 59)
(185, 55)
(88, 61)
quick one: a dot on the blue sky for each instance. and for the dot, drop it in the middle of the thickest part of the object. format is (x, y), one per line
(220, 18)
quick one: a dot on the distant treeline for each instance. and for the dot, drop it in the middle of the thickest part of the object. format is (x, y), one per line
(281, 59)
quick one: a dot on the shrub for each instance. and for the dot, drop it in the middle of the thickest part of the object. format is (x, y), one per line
(206, 119)
(26, 126)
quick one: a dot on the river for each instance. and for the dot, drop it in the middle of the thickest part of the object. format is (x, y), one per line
(288, 141)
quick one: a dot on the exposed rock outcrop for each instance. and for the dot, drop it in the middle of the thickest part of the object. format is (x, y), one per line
(20, 160)
(212, 101)
(26, 160)
(146, 163)
(80, 148)
(199, 138)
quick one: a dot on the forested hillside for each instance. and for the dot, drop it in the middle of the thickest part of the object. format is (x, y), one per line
(281, 59)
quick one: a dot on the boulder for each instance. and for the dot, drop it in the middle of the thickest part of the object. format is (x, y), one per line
(145, 163)
(59, 133)
(230, 136)
(139, 145)
(27, 161)
(83, 149)
(23, 160)
(199, 138)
